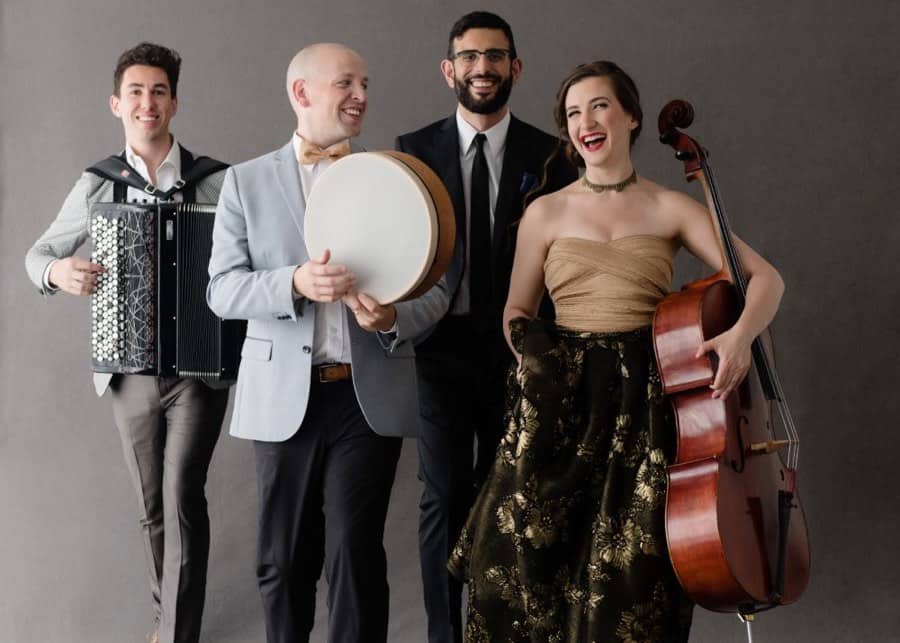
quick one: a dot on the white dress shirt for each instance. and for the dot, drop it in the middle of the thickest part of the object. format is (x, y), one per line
(331, 338)
(168, 172)
(494, 147)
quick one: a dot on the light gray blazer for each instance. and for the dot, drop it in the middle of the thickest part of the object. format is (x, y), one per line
(70, 229)
(257, 245)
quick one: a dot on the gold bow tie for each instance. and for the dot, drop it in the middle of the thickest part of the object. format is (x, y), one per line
(310, 153)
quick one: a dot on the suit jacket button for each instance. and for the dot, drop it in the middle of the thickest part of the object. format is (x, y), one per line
(307, 349)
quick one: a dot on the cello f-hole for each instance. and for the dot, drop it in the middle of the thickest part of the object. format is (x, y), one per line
(739, 466)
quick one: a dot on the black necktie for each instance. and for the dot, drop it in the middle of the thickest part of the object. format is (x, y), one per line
(480, 235)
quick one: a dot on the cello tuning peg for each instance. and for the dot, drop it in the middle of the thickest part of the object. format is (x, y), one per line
(684, 155)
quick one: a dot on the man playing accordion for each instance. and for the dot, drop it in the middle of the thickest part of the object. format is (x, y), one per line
(168, 425)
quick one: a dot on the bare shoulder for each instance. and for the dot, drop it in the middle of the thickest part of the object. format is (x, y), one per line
(545, 209)
(542, 218)
(677, 200)
(674, 205)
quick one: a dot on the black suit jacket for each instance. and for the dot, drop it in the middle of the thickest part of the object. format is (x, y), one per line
(527, 149)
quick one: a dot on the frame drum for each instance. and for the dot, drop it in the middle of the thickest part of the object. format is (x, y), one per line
(387, 217)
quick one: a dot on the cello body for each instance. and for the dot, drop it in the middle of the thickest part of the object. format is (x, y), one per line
(735, 529)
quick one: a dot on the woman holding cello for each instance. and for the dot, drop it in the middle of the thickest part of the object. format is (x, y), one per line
(567, 540)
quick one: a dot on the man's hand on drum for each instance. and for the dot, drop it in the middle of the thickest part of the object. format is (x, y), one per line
(370, 315)
(75, 276)
(318, 281)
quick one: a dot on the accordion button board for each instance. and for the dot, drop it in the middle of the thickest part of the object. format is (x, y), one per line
(149, 313)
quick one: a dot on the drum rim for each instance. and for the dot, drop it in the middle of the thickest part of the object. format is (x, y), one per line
(446, 220)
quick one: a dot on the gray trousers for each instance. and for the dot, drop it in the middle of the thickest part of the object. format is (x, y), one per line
(169, 428)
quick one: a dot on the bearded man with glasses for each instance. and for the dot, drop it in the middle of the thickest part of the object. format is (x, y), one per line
(489, 161)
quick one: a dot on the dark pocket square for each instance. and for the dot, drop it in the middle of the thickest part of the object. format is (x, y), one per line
(529, 182)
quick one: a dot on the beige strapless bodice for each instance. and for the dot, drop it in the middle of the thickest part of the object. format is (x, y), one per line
(606, 287)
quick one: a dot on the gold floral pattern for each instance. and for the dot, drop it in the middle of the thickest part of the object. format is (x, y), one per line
(476, 627)
(618, 544)
(507, 583)
(525, 516)
(566, 541)
(643, 624)
(527, 425)
(650, 487)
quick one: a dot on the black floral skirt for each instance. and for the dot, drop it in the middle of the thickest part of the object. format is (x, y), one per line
(566, 541)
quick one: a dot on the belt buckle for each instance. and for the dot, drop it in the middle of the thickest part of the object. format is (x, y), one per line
(323, 369)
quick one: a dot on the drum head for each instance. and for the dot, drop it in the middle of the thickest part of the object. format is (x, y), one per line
(375, 216)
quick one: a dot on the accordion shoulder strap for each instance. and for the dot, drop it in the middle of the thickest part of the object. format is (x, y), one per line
(193, 170)
(123, 175)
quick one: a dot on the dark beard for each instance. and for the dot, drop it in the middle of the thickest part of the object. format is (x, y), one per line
(488, 105)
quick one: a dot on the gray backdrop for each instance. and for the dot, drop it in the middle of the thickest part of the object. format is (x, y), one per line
(797, 101)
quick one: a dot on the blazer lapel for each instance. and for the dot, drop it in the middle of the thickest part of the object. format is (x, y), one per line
(288, 177)
(509, 196)
(446, 145)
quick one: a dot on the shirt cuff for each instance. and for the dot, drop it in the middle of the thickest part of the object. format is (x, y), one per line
(388, 338)
(45, 278)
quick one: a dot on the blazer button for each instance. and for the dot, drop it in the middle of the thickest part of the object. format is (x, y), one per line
(307, 349)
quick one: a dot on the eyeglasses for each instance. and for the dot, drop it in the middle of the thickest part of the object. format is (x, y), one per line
(470, 56)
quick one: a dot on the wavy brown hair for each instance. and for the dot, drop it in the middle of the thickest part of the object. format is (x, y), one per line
(626, 93)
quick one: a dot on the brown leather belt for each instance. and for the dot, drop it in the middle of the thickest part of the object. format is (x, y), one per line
(331, 372)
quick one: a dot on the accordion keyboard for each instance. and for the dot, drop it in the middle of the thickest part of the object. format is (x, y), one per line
(123, 324)
(149, 313)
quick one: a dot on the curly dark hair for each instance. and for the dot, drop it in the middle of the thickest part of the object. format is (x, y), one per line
(152, 55)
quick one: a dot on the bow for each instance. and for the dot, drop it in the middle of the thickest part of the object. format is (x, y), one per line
(310, 153)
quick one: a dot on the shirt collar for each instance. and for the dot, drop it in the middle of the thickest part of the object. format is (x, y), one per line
(496, 135)
(295, 143)
(173, 160)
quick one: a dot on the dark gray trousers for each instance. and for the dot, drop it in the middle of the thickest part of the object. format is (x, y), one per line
(169, 428)
(462, 375)
(323, 497)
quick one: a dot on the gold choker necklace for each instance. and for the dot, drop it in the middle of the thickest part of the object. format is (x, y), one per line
(615, 187)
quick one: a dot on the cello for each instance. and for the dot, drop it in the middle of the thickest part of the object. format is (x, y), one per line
(735, 528)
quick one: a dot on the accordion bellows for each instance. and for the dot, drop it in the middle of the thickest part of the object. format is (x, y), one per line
(149, 314)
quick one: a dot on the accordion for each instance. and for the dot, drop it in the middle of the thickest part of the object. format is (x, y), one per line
(149, 313)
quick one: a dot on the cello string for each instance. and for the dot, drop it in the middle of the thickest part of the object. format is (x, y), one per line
(737, 273)
(790, 429)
